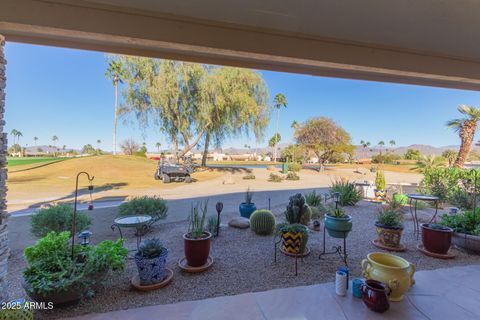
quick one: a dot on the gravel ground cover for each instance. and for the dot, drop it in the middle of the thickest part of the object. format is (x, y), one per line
(243, 262)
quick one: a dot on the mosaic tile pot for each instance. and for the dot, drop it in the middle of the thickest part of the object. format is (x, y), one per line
(151, 271)
(395, 272)
(389, 236)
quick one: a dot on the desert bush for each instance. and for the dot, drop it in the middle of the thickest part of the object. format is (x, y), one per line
(466, 222)
(275, 177)
(292, 176)
(386, 158)
(249, 176)
(212, 225)
(349, 195)
(315, 202)
(294, 167)
(155, 207)
(58, 218)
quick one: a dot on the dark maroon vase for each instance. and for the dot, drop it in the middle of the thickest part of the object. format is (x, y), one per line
(375, 295)
(436, 238)
(197, 250)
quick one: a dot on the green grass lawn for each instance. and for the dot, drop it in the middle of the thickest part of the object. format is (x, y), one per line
(13, 162)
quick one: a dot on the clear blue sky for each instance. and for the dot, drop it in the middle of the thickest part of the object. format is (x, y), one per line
(63, 92)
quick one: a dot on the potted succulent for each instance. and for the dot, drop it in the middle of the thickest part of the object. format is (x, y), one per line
(247, 207)
(197, 239)
(389, 226)
(150, 259)
(337, 223)
(380, 186)
(294, 233)
(436, 238)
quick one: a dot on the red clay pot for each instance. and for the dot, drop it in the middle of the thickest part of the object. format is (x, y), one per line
(436, 239)
(375, 295)
(197, 250)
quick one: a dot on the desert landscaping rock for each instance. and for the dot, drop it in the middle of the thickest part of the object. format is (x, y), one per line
(243, 261)
(239, 222)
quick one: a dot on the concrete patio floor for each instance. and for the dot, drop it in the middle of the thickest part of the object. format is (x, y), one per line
(451, 293)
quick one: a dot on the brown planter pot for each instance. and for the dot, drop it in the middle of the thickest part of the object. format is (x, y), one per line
(375, 295)
(389, 236)
(197, 250)
(438, 239)
(67, 297)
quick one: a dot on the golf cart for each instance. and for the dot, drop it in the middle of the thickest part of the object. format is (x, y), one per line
(170, 171)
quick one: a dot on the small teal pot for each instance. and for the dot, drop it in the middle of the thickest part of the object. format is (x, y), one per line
(338, 227)
(246, 210)
(151, 271)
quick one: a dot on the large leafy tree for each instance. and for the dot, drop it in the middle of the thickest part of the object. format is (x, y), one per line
(114, 73)
(466, 128)
(235, 102)
(191, 102)
(324, 138)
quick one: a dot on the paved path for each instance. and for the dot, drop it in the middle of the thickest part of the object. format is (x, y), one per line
(452, 293)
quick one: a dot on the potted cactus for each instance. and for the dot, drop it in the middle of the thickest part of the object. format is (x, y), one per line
(197, 239)
(262, 222)
(294, 233)
(150, 259)
(337, 223)
(247, 207)
(389, 226)
(380, 186)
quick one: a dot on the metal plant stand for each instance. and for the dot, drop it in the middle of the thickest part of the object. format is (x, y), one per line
(414, 198)
(275, 245)
(341, 251)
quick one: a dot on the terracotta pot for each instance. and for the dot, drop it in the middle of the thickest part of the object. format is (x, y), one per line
(389, 236)
(375, 295)
(392, 270)
(197, 250)
(436, 238)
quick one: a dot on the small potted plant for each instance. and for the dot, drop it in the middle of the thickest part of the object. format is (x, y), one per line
(294, 233)
(389, 226)
(197, 239)
(337, 223)
(247, 207)
(150, 259)
(436, 238)
(380, 186)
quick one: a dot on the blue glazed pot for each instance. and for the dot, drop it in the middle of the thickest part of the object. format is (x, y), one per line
(338, 227)
(151, 271)
(246, 210)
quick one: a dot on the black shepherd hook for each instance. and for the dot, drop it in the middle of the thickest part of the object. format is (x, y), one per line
(90, 187)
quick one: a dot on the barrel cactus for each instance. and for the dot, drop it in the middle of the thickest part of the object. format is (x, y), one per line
(262, 222)
(297, 210)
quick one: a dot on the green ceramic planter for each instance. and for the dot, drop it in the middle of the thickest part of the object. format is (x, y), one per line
(338, 227)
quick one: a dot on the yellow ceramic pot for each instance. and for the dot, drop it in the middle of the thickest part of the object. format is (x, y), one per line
(392, 270)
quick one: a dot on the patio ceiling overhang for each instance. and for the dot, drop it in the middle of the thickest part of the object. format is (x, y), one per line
(425, 42)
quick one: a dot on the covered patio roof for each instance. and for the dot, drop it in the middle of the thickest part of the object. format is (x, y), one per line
(418, 42)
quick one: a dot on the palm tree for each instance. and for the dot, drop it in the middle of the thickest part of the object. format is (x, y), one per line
(14, 134)
(98, 143)
(158, 145)
(450, 155)
(115, 72)
(55, 139)
(466, 128)
(427, 162)
(392, 143)
(381, 143)
(35, 139)
(279, 101)
(19, 134)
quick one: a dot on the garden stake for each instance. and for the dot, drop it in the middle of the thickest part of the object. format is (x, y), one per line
(90, 206)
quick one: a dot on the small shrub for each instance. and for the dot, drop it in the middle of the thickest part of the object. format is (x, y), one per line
(466, 222)
(349, 195)
(249, 176)
(313, 199)
(212, 225)
(154, 206)
(380, 183)
(58, 218)
(294, 167)
(275, 178)
(292, 176)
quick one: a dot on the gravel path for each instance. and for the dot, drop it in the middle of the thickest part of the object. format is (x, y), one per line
(243, 263)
